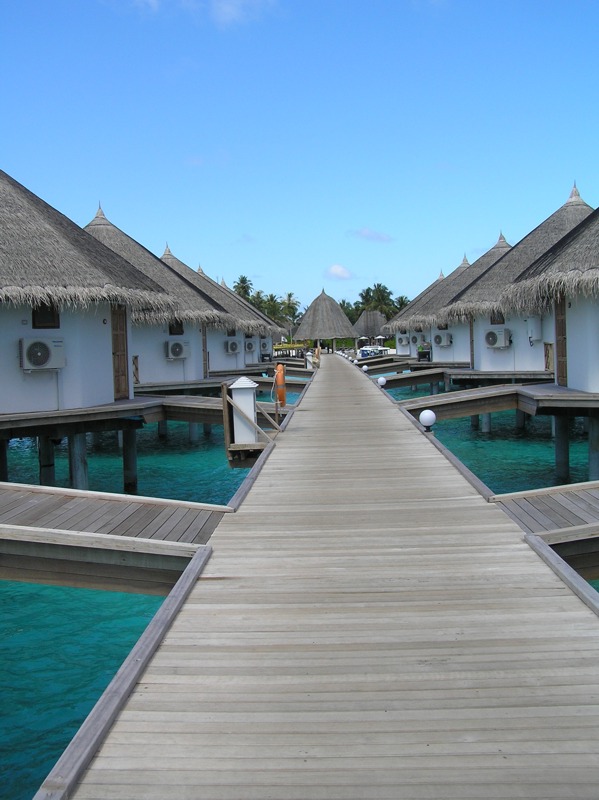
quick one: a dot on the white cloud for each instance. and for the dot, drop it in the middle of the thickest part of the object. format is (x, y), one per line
(339, 273)
(371, 236)
(230, 12)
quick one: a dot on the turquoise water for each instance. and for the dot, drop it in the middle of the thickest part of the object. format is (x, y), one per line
(507, 459)
(174, 468)
(51, 675)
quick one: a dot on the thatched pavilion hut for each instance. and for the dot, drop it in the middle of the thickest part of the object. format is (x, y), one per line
(252, 330)
(370, 324)
(563, 285)
(65, 304)
(325, 319)
(499, 342)
(177, 350)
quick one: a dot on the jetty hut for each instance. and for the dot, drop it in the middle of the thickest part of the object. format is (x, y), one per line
(65, 311)
(370, 324)
(511, 342)
(325, 319)
(249, 340)
(427, 319)
(165, 351)
(562, 288)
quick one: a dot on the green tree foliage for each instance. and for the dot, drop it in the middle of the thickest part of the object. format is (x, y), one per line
(374, 298)
(243, 287)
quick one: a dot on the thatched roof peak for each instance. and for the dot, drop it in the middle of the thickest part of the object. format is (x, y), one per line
(482, 296)
(239, 313)
(192, 305)
(46, 258)
(570, 267)
(325, 319)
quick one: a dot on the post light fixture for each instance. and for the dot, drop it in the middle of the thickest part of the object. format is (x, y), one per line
(382, 381)
(427, 419)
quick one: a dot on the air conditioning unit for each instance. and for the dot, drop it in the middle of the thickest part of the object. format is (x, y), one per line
(402, 341)
(231, 346)
(415, 339)
(264, 346)
(442, 339)
(498, 338)
(173, 349)
(41, 354)
(249, 346)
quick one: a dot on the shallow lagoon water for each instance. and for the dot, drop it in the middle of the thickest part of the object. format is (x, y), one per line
(508, 459)
(59, 649)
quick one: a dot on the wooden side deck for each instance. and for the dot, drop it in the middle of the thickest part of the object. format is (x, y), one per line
(367, 628)
(553, 508)
(111, 514)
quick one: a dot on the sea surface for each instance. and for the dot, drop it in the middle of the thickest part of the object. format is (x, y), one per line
(59, 649)
(509, 459)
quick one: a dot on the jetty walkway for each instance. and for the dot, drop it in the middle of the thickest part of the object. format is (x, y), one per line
(368, 627)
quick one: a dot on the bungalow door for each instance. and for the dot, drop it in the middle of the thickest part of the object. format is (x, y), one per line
(119, 353)
(561, 358)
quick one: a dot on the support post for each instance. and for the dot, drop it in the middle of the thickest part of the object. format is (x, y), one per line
(162, 429)
(78, 461)
(130, 461)
(562, 449)
(486, 422)
(593, 424)
(520, 420)
(207, 428)
(194, 432)
(45, 455)
(475, 422)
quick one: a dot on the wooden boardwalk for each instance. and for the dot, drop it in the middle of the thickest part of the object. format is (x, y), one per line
(557, 507)
(367, 628)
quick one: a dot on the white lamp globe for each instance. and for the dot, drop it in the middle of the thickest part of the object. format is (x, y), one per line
(355, 360)
(427, 419)
(382, 381)
(365, 368)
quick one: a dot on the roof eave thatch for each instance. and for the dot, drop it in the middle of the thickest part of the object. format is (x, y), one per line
(81, 297)
(536, 295)
(461, 312)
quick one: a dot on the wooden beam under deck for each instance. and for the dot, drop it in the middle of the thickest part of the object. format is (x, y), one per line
(368, 628)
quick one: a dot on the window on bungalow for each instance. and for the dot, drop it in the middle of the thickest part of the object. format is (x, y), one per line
(175, 329)
(497, 318)
(441, 327)
(231, 332)
(45, 316)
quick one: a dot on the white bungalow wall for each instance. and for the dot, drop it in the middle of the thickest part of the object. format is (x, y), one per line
(582, 342)
(218, 358)
(148, 346)
(458, 350)
(85, 380)
(522, 354)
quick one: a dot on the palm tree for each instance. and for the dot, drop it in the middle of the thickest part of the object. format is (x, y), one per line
(349, 310)
(290, 310)
(243, 287)
(381, 300)
(272, 307)
(257, 300)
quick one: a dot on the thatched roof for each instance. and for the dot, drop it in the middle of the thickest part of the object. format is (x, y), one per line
(192, 304)
(434, 311)
(570, 267)
(45, 258)
(325, 319)
(403, 317)
(243, 315)
(370, 323)
(482, 296)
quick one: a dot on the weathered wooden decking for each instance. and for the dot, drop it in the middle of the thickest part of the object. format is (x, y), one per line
(368, 628)
(557, 507)
(103, 513)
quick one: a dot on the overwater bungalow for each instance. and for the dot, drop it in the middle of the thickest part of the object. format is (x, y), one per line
(427, 320)
(67, 305)
(175, 349)
(250, 338)
(512, 342)
(562, 289)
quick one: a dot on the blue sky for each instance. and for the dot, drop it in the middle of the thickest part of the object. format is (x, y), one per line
(307, 144)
